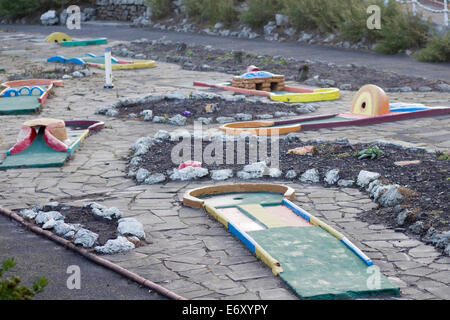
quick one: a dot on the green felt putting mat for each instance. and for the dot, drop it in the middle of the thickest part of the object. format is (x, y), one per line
(19, 104)
(316, 265)
(229, 200)
(39, 154)
(84, 42)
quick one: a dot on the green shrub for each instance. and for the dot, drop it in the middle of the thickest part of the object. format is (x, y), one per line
(261, 11)
(327, 16)
(436, 50)
(11, 289)
(160, 8)
(212, 11)
(402, 31)
(15, 9)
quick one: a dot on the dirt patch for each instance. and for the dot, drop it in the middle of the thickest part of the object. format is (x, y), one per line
(198, 58)
(55, 71)
(425, 185)
(106, 229)
(195, 108)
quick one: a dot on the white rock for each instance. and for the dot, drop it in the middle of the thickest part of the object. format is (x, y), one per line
(49, 18)
(147, 114)
(188, 173)
(131, 227)
(85, 237)
(391, 197)
(42, 217)
(243, 116)
(332, 176)
(142, 174)
(223, 120)
(221, 174)
(61, 228)
(162, 135)
(77, 74)
(275, 172)
(155, 178)
(121, 244)
(310, 176)
(94, 205)
(177, 120)
(291, 174)
(366, 177)
(28, 213)
(49, 224)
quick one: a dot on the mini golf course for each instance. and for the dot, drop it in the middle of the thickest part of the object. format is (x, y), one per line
(25, 96)
(270, 85)
(369, 106)
(99, 62)
(47, 142)
(315, 260)
(67, 41)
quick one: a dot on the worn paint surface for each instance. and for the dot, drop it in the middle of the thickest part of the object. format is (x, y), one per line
(19, 104)
(39, 154)
(316, 265)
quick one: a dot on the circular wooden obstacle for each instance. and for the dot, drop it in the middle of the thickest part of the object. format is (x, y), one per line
(370, 100)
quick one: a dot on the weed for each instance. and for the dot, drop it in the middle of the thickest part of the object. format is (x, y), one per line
(11, 289)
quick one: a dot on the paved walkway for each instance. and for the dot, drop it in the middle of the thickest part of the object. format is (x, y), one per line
(398, 63)
(190, 253)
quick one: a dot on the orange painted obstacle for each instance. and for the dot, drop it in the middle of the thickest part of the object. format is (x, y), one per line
(370, 105)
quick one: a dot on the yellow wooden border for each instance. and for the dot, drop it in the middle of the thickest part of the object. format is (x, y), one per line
(190, 197)
(324, 94)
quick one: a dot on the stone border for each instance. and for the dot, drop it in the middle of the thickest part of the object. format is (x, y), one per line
(180, 120)
(130, 231)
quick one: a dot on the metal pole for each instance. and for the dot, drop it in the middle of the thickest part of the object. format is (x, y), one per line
(108, 69)
(445, 13)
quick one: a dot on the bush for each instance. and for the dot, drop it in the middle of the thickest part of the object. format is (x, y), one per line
(15, 9)
(160, 8)
(402, 31)
(10, 289)
(261, 11)
(212, 11)
(436, 50)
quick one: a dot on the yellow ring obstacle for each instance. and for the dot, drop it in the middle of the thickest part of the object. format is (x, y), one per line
(58, 37)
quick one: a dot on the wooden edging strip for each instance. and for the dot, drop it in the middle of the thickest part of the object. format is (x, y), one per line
(94, 258)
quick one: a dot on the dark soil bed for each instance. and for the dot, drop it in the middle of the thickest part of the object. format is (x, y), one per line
(196, 108)
(106, 229)
(55, 71)
(201, 59)
(425, 185)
